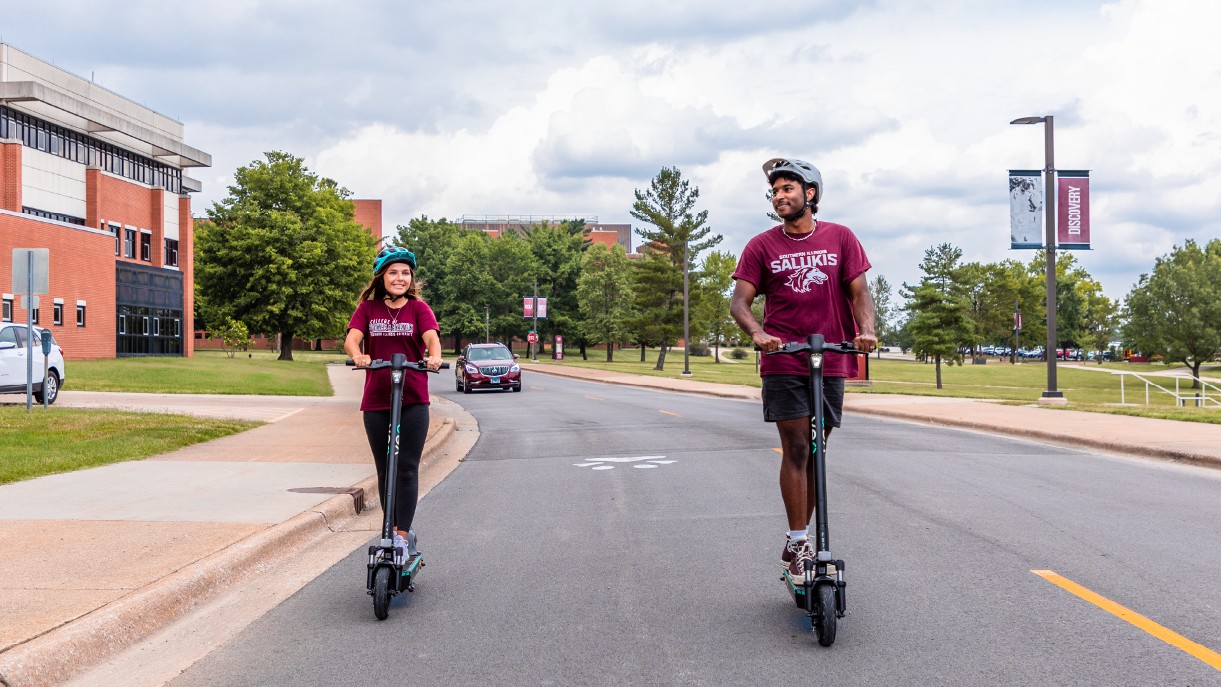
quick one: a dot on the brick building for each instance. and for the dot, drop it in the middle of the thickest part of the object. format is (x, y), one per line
(608, 234)
(98, 180)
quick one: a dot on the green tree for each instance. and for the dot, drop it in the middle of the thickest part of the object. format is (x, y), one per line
(940, 323)
(557, 250)
(883, 309)
(678, 232)
(715, 286)
(604, 296)
(657, 305)
(1176, 310)
(481, 287)
(282, 253)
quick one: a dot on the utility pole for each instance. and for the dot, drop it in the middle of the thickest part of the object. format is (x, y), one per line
(534, 346)
(487, 331)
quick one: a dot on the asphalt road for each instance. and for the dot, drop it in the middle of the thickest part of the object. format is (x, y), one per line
(555, 560)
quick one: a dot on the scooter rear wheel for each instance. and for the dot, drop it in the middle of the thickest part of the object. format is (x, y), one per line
(823, 618)
(381, 592)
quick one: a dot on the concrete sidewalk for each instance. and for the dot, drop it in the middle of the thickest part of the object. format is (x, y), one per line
(96, 560)
(1196, 443)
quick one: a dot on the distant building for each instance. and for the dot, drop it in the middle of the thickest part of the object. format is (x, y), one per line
(497, 225)
(99, 181)
(369, 213)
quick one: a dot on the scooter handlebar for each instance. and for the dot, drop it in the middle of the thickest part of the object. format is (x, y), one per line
(844, 347)
(420, 365)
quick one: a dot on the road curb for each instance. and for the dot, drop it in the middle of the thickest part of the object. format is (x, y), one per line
(78, 645)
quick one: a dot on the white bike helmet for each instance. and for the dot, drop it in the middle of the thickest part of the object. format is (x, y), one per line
(805, 171)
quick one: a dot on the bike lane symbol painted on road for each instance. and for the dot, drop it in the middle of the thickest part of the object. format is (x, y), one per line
(641, 462)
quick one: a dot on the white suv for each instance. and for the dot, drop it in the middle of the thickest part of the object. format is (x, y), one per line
(13, 363)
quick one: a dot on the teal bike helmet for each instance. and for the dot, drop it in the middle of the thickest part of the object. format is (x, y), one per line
(392, 254)
(805, 171)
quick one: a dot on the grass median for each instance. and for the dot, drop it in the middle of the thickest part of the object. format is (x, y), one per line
(67, 439)
(1112, 387)
(208, 372)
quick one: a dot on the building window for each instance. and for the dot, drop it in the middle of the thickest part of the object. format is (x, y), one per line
(171, 252)
(129, 243)
(57, 314)
(80, 314)
(7, 310)
(34, 316)
(146, 246)
(75, 146)
(118, 236)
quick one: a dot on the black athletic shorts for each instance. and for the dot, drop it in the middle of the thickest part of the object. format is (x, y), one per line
(785, 398)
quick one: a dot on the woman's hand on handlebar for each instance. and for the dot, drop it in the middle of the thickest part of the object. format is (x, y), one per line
(433, 362)
(766, 342)
(361, 360)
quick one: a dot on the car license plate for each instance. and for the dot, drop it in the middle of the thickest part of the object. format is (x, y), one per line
(495, 380)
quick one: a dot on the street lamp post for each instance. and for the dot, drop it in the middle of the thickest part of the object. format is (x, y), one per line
(686, 317)
(1051, 395)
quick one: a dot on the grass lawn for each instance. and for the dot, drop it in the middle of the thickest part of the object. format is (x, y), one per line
(67, 439)
(209, 372)
(1091, 389)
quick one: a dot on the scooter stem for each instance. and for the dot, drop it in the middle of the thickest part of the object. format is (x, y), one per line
(398, 365)
(816, 343)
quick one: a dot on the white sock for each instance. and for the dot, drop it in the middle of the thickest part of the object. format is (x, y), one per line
(798, 535)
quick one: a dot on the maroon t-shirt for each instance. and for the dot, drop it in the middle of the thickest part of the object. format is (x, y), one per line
(388, 331)
(806, 285)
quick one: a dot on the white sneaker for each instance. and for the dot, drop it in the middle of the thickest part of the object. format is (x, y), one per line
(400, 543)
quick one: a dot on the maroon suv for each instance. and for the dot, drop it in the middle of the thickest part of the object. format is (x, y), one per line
(487, 366)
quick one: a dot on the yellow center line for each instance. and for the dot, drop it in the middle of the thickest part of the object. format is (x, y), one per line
(666, 412)
(1168, 636)
(593, 398)
(779, 450)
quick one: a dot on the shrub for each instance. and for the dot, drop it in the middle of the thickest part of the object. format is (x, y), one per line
(700, 350)
(234, 336)
(739, 354)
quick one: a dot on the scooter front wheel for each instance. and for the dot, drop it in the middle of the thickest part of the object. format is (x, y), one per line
(381, 592)
(823, 618)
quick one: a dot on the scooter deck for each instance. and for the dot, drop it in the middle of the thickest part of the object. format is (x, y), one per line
(412, 565)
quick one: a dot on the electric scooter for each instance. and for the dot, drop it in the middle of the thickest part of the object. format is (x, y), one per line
(392, 569)
(820, 592)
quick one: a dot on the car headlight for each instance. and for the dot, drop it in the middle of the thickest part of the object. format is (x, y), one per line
(515, 368)
(472, 370)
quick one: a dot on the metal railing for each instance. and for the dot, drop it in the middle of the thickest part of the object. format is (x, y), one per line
(1198, 397)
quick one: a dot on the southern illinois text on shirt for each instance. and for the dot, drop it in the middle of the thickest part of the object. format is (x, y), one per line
(388, 328)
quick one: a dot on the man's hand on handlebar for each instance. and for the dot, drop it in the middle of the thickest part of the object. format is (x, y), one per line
(766, 342)
(361, 360)
(865, 342)
(433, 363)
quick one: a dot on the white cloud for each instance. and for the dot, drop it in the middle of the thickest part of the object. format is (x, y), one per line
(482, 107)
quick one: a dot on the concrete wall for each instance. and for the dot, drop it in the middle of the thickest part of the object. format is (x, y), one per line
(52, 184)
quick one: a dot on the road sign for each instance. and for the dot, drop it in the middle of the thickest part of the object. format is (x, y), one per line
(532, 337)
(24, 268)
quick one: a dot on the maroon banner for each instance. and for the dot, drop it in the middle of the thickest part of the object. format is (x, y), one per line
(1073, 210)
(527, 307)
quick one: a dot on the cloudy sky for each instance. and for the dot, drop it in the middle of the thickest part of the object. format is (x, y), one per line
(555, 107)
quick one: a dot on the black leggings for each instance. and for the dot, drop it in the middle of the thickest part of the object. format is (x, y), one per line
(413, 430)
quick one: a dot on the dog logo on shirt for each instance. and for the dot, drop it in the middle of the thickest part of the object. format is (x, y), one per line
(802, 280)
